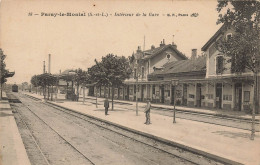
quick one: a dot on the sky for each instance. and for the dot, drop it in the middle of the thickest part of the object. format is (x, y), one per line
(75, 41)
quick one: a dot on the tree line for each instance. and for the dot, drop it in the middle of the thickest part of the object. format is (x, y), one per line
(111, 71)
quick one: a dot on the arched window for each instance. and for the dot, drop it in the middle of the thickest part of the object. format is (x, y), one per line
(168, 56)
(228, 36)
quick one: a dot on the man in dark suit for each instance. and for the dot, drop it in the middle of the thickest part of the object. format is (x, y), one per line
(147, 112)
(106, 105)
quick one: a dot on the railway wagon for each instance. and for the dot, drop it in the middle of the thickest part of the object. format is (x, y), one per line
(14, 88)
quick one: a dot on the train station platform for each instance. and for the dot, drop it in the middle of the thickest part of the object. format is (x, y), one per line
(12, 150)
(223, 143)
(217, 112)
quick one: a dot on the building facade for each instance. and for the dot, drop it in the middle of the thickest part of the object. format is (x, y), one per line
(228, 90)
(164, 75)
(144, 63)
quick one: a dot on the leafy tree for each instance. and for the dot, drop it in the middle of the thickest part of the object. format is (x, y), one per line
(110, 72)
(84, 82)
(2, 67)
(136, 64)
(243, 47)
(3, 72)
(34, 82)
(25, 85)
(46, 80)
(95, 74)
(80, 78)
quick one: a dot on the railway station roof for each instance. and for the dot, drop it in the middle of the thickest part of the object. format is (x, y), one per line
(182, 66)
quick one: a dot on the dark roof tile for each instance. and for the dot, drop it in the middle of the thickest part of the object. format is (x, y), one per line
(198, 64)
(153, 52)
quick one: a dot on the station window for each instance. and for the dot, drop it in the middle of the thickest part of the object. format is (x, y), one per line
(227, 97)
(191, 96)
(210, 96)
(153, 89)
(246, 96)
(142, 72)
(219, 64)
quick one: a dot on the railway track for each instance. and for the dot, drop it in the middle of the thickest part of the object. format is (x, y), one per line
(14, 99)
(154, 143)
(62, 137)
(240, 123)
(101, 125)
(34, 140)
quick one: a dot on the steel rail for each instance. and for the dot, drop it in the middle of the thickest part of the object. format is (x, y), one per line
(67, 109)
(84, 118)
(34, 140)
(64, 110)
(59, 135)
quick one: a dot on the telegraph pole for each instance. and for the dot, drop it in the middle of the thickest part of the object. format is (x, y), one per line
(49, 68)
(43, 67)
(44, 88)
(144, 44)
(174, 102)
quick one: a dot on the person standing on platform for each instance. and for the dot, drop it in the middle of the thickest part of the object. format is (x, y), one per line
(147, 112)
(106, 105)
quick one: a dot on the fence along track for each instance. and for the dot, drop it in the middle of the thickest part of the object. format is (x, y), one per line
(204, 117)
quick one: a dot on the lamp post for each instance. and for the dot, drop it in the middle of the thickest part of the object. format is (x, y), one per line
(174, 101)
(83, 94)
(57, 84)
(136, 99)
(136, 89)
(96, 96)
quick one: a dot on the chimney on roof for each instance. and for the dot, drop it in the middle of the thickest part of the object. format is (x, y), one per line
(193, 54)
(138, 49)
(162, 43)
(174, 45)
(152, 47)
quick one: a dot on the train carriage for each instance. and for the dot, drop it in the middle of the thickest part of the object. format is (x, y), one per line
(14, 88)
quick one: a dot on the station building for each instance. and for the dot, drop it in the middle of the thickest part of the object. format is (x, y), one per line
(164, 75)
(143, 64)
(225, 89)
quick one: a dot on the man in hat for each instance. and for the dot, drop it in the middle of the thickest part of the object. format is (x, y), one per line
(147, 112)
